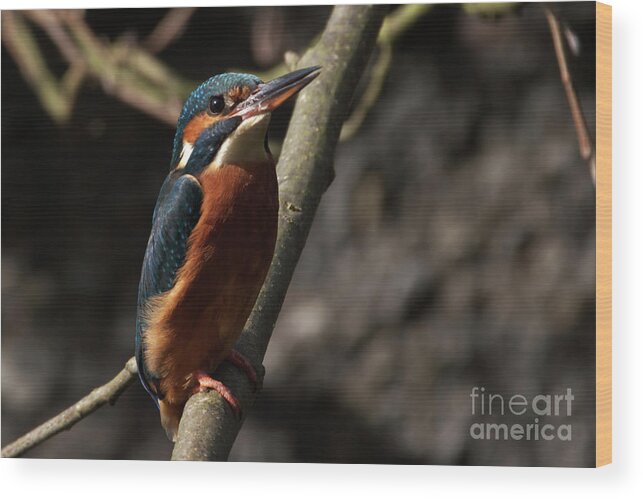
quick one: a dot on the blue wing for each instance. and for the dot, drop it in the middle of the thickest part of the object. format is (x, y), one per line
(176, 213)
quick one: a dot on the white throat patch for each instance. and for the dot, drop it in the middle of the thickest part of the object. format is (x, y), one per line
(186, 152)
(244, 146)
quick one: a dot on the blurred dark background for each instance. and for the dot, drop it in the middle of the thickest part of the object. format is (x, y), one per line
(455, 248)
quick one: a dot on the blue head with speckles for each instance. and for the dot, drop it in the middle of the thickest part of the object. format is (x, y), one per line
(208, 104)
(225, 119)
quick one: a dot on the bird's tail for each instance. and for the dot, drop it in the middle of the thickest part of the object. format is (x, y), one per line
(170, 418)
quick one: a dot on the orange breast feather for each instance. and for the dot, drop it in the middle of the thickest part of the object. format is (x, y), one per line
(195, 324)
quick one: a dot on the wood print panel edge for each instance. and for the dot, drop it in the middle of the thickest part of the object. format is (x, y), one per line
(603, 234)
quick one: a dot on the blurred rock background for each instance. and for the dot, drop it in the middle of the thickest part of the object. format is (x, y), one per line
(454, 249)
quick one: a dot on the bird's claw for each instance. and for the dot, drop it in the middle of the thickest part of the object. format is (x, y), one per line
(241, 361)
(205, 381)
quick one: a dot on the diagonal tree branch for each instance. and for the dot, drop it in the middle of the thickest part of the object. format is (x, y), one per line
(108, 393)
(208, 427)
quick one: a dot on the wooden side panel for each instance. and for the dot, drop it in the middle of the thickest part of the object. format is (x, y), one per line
(603, 234)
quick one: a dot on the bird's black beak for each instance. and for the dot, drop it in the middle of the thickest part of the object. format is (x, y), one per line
(269, 96)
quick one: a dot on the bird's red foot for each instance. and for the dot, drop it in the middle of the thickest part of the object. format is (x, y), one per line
(242, 362)
(204, 381)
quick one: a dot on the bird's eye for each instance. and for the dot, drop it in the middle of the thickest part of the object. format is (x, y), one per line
(216, 104)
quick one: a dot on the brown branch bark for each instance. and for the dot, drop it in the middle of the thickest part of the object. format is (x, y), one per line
(585, 144)
(208, 427)
(107, 393)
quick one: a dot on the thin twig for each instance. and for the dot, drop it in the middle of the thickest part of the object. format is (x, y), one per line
(168, 29)
(126, 71)
(371, 94)
(585, 145)
(20, 42)
(50, 22)
(107, 393)
(121, 70)
(133, 75)
(394, 25)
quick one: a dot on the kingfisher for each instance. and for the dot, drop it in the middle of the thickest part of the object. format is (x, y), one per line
(213, 235)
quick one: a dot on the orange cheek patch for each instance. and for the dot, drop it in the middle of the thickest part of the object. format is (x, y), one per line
(196, 125)
(204, 120)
